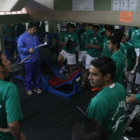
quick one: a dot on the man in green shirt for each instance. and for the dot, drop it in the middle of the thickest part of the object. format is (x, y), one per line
(93, 51)
(135, 40)
(83, 37)
(107, 107)
(137, 72)
(117, 57)
(10, 111)
(69, 41)
(129, 54)
(104, 40)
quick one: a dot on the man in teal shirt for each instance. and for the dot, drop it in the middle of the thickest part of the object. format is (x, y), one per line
(10, 111)
(69, 41)
(117, 57)
(104, 40)
(107, 107)
(93, 51)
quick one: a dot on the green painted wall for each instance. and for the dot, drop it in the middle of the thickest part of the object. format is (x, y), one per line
(102, 4)
(67, 4)
(62, 4)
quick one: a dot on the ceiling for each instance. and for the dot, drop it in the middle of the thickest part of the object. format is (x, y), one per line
(17, 5)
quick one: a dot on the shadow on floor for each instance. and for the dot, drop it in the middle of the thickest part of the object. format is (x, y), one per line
(50, 117)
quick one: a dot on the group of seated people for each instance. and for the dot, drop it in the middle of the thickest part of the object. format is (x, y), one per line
(108, 58)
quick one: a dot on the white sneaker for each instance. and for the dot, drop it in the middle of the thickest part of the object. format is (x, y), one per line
(61, 70)
(38, 90)
(29, 92)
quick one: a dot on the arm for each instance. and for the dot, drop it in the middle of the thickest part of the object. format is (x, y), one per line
(20, 46)
(131, 99)
(13, 111)
(62, 43)
(4, 130)
(61, 39)
(93, 46)
(15, 129)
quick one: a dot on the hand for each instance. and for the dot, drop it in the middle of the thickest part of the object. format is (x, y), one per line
(22, 136)
(134, 72)
(4, 130)
(31, 50)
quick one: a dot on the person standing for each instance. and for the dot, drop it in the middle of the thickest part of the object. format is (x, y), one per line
(26, 46)
(117, 57)
(108, 106)
(10, 110)
(69, 40)
(108, 32)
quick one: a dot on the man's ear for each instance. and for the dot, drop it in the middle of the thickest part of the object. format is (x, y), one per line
(107, 77)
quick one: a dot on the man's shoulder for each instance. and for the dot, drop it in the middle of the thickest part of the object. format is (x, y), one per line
(118, 85)
(6, 84)
(23, 35)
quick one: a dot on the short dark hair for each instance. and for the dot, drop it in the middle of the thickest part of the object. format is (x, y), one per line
(105, 65)
(116, 38)
(109, 28)
(32, 24)
(87, 129)
(96, 27)
(70, 25)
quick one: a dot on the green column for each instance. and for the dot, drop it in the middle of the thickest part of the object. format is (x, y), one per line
(52, 27)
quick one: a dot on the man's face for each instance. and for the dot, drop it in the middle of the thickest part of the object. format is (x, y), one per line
(70, 29)
(95, 31)
(123, 39)
(108, 33)
(110, 46)
(32, 30)
(95, 77)
(85, 27)
(5, 69)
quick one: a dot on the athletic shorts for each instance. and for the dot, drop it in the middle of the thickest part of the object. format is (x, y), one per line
(88, 60)
(137, 80)
(82, 56)
(71, 58)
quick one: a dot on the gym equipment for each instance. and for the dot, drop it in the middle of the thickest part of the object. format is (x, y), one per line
(132, 125)
(57, 85)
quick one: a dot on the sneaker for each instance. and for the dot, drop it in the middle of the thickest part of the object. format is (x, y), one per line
(38, 90)
(61, 70)
(29, 92)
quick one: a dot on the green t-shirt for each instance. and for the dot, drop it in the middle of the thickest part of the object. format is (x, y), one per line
(106, 51)
(101, 29)
(129, 54)
(9, 107)
(84, 36)
(65, 36)
(138, 97)
(119, 60)
(107, 107)
(131, 33)
(90, 31)
(135, 41)
(95, 40)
